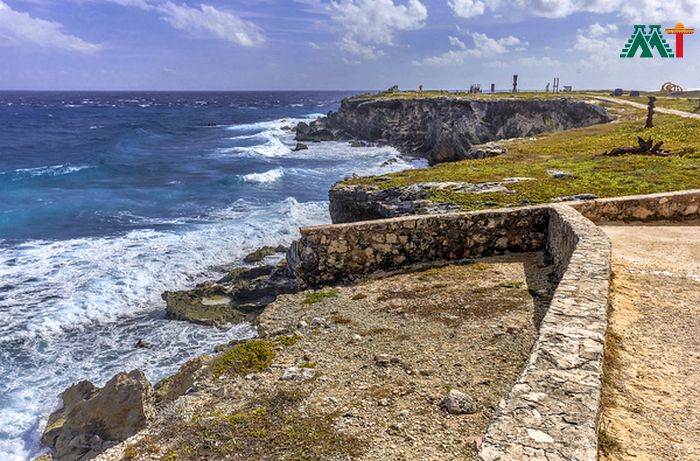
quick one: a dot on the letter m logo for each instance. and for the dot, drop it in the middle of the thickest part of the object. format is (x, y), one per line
(646, 42)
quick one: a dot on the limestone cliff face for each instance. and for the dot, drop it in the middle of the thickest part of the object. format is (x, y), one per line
(444, 129)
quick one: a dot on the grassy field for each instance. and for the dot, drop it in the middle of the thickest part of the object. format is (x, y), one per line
(663, 100)
(578, 152)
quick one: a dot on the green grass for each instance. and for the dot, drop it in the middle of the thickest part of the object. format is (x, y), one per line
(314, 297)
(576, 151)
(248, 357)
(465, 95)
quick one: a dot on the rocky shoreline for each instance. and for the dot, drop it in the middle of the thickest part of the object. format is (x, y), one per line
(363, 372)
(446, 129)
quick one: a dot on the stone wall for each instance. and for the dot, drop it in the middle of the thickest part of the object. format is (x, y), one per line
(552, 411)
(668, 206)
(341, 253)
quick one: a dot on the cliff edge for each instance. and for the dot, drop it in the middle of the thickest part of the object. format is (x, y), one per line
(444, 129)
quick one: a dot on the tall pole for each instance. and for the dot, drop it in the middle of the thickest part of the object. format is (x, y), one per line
(515, 83)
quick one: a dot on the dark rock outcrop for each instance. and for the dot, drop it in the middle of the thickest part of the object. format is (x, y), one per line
(444, 129)
(239, 296)
(350, 203)
(93, 419)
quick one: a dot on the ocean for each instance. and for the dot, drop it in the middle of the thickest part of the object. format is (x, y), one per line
(108, 199)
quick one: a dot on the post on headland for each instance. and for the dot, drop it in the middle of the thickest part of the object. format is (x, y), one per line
(650, 112)
(493, 88)
(515, 83)
(546, 89)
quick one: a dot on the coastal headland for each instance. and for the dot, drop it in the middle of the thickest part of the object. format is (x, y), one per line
(453, 312)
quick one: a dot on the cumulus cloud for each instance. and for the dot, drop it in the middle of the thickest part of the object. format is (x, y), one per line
(630, 10)
(20, 28)
(456, 42)
(467, 8)
(484, 47)
(370, 24)
(207, 21)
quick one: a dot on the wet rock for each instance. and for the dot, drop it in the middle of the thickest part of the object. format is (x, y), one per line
(300, 146)
(314, 132)
(458, 403)
(259, 254)
(94, 419)
(238, 296)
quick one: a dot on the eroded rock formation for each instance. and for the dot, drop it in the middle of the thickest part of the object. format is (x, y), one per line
(93, 419)
(444, 129)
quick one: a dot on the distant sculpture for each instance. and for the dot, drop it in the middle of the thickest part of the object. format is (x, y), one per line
(568, 88)
(670, 87)
(546, 90)
(420, 89)
(650, 112)
(515, 83)
(493, 88)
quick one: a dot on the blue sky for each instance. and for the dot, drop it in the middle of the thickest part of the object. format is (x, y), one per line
(335, 44)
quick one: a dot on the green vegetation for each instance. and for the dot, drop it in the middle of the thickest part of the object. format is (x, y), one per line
(288, 341)
(244, 358)
(309, 365)
(575, 151)
(465, 95)
(511, 284)
(313, 297)
(270, 429)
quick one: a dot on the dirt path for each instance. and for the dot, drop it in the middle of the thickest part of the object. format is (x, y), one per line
(660, 110)
(651, 397)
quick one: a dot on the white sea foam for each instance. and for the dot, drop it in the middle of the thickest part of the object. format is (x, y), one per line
(56, 297)
(53, 170)
(266, 177)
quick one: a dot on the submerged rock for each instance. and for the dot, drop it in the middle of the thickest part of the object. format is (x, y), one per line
(300, 146)
(93, 419)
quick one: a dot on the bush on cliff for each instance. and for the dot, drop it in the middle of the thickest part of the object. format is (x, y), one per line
(251, 356)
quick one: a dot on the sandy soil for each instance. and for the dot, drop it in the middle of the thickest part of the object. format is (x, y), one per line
(651, 397)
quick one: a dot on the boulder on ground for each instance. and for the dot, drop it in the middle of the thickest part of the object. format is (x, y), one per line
(458, 403)
(300, 146)
(93, 419)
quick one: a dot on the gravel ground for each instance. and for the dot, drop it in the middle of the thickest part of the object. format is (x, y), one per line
(374, 361)
(651, 396)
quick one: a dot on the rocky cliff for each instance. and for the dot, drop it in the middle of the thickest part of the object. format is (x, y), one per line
(444, 129)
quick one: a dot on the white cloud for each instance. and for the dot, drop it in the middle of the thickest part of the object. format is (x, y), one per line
(484, 47)
(369, 24)
(630, 10)
(597, 30)
(467, 8)
(208, 21)
(598, 40)
(20, 28)
(456, 42)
